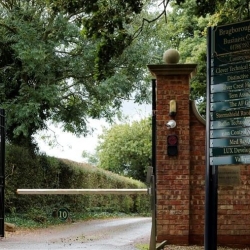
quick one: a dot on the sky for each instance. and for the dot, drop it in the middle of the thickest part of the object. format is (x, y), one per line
(68, 146)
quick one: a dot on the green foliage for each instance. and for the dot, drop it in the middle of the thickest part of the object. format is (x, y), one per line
(63, 61)
(66, 61)
(187, 30)
(25, 170)
(126, 149)
(204, 7)
(107, 24)
(187, 33)
(91, 158)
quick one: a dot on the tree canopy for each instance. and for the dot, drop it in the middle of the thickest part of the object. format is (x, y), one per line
(66, 61)
(231, 10)
(125, 149)
(59, 61)
(184, 30)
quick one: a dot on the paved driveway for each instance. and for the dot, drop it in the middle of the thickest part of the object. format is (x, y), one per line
(108, 234)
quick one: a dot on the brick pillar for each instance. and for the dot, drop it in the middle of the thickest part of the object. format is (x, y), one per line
(173, 172)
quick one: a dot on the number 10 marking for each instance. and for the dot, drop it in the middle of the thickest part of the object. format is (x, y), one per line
(63, 214)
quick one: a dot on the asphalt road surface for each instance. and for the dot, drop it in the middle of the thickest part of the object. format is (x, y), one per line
(109, 234)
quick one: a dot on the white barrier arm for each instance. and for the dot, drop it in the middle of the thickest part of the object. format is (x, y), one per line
(82, 191)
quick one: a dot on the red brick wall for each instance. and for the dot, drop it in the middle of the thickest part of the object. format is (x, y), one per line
(180, 180)
(233, 201)
(234, 211)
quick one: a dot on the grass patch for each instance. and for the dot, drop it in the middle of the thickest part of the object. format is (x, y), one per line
(41, 221)
(142, 247)
(24, 221)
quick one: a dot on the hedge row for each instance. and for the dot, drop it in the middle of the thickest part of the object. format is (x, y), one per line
(24, 170)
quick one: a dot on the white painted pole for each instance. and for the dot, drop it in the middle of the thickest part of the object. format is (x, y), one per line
(82, 191)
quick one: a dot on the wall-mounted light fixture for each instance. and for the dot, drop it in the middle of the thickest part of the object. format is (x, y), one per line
(172, 108)
(172, 112)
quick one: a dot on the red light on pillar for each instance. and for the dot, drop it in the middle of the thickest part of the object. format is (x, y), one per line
(172, 143)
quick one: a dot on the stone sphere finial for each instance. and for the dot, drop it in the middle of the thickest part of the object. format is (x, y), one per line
(171, 56)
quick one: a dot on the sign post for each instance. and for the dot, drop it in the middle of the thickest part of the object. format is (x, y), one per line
(228, 110)
(210, 236)
(2, 169)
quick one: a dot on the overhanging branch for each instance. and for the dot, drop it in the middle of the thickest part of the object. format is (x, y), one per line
(145, 20)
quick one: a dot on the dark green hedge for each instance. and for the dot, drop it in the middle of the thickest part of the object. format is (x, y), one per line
(24, 170)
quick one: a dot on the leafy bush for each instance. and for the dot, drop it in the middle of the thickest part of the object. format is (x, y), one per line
(24, 170)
